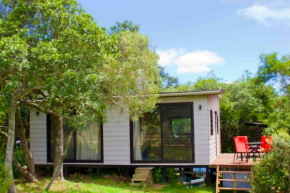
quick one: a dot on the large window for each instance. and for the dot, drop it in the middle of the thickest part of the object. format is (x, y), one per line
(165, 135)
(85, 145)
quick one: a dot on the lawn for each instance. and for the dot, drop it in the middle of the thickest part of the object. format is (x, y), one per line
(105, 185)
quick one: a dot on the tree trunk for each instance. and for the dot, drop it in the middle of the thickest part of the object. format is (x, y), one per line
(58, 148)
(28, 155)
(10, 143)
(59, 166)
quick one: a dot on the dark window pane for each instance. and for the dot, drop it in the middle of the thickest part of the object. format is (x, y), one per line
(66, 131)
(211, 122)
(147, 137)
(89, 142)
(176, 132)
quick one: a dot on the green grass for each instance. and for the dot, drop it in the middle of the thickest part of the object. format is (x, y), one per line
(104, 185)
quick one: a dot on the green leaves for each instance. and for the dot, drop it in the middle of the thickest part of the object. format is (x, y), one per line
(272, 173)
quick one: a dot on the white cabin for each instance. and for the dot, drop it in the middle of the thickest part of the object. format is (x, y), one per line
(183, 130)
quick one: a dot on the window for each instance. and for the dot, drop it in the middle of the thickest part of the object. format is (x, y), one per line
(216, 122)
(164, 135)
(211, 123)
(85, 144)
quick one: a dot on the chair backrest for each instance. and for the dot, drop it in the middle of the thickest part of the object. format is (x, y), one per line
(263, 137)
(268, 144)
(240, 145)
(246, 140)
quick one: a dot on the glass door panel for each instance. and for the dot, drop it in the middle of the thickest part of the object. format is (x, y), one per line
(176, 123)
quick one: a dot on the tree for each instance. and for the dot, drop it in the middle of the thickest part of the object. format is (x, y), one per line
(126, 25)
(275, 71)
(63, 58)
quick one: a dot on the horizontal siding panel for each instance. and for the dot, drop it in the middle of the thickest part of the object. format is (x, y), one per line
(116, 138)
(37, 148)
(113, 134)
(39, 154)
(41, 158)
(116, 128)
(116, 143)
(37, 122)
(38, 144)
(116, 148)
(116, 158)
(116, 125)
(36, 135)
(112, 162)
(38, 127)
(117, 153)
(38, 140)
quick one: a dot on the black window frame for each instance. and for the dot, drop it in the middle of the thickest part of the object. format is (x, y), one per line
(50, 160)
(216, 122)
(166, 161)
(211, 122)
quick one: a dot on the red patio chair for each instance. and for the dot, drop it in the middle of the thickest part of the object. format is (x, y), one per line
(246, 140)
(241, 147)
(266, 143)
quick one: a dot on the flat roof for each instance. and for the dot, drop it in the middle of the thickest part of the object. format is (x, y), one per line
(191, 93)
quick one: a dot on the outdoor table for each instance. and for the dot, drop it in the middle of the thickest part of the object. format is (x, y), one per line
(255, 146)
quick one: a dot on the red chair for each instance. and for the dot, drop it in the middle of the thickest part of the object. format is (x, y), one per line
(246, 140)
(241, 147)
(266, 143)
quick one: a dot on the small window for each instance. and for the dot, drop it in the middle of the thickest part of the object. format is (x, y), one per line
(211, 122)
(217, 122)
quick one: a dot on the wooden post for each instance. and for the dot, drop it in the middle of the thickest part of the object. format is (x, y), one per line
(217, 178)
(235, 182)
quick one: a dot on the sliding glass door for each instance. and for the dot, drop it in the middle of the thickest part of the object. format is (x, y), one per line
(177, 132)
(165, 135)
(85, 144)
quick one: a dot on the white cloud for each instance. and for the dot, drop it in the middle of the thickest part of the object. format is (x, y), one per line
(197, 61)
(263, 14)
(166, 57)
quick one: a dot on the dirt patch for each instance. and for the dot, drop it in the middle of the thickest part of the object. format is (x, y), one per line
(158, 186)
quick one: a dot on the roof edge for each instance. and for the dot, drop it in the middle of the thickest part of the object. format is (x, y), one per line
(191, 93)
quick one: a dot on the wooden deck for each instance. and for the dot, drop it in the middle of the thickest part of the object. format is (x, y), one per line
(227, 159)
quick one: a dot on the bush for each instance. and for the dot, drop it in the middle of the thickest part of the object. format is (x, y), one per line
(4, 183)
(272, 174)
(157, 175)
(171, 176)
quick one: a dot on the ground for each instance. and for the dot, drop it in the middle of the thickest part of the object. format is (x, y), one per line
(106, 184)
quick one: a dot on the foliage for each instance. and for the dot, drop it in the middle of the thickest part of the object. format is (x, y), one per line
(167, 80)
(4, 183)
(272, 173)
(126, 25)
(171, 175)
(275, 71)
(157, 175)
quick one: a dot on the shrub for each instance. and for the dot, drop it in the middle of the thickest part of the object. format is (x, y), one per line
(157, 175)
(171, 176)
(272, 174)
(4, 183)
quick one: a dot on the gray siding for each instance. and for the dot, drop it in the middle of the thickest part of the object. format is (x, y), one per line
(214, 142)
(38, 145)
(117, 138)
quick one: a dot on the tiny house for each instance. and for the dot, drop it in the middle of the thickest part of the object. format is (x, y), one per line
(182, 130)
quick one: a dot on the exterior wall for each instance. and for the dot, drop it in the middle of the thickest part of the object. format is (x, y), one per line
(38, 144)
(214, 140)
(201, 125)
(116, 132)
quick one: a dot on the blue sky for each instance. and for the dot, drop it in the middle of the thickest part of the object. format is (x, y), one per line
(195, 37)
